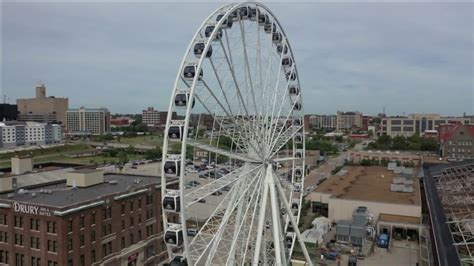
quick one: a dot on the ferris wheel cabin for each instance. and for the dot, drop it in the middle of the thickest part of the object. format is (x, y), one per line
(171, 201)
(294, 90)
(208, 31)
(172, 167)
(282, 48)
(199, 49)
(189, 72)
(174, 235)
(227, 24)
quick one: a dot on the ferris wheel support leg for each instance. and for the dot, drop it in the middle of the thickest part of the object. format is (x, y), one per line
(294, 224)
(261, 221)
(277, 235)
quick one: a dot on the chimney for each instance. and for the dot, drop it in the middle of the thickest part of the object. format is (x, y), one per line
(40, 91)
(21, 164)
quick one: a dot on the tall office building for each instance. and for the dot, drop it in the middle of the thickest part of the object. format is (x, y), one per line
(42, 108)
(88, 121)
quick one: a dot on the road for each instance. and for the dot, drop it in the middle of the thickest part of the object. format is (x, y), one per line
(323, 171)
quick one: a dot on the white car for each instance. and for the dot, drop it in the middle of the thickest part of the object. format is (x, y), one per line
(191, 170)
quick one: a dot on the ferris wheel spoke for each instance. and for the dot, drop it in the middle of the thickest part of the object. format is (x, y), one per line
(231, 69)
(230, 233)
(220, 86)
(216, 225)
(283, 138)
(221, 151)
(247, 67)
(216, 185)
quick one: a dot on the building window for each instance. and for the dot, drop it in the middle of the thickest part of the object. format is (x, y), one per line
(93, 255)
(81, 221)
(19, 221)
(69, 225)
(149, 199)
(131, 221)
(149, 230)
(131, 239)
(51, 227)
(122, 242)
(52, 245)
(34, 224)
(149, 214)
(150, 251)
(4, 256)
(81, 240)
(123, 224)
(19, 259)
(69, 262)
(139, 218)
(131, 205)
(3, 237)
(82, 261)
(106, 249)
(92, 235)
(139, 203)
(123, 207)
(35, 261)
(35, 242)
(107, 213)
(3, 219)
(69, 244)
(139, 235)
(93, 218)
(106, 229)
(18, 239)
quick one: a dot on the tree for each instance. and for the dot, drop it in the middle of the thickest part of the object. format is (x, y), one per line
(153, 154)
(122, 157)
(141, 127)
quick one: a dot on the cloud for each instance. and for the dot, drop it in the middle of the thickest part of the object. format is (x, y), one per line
(409, 57)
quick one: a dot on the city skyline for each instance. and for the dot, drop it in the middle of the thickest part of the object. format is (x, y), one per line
(399, 56)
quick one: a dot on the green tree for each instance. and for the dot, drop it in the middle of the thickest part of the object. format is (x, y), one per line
(122, 157)
(153, 154)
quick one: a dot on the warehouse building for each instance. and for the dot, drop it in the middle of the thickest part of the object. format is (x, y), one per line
(391, 198)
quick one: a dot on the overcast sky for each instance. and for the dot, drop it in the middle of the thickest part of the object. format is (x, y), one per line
(408, 57)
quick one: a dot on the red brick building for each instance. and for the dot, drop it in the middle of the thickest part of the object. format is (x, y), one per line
(456, 141)
(90, 218)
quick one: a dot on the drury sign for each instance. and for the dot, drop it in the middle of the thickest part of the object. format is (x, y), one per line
(30, 209)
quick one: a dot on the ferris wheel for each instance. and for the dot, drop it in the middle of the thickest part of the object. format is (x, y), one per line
(234, 155)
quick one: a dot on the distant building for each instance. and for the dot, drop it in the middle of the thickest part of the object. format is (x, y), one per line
(41, 108)
(81, 217)
(347, 121)
(15, 134)
(88, 121)
(366, 119)
(153, 118)
(322, 121)
(8, 112)
(456, 141)
(418, 124)
(203, 120)
(379, 156)
(120, 121)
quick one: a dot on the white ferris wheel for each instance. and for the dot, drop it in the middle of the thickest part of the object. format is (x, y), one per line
(234, 141)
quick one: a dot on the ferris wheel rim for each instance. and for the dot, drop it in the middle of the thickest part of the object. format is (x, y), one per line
(228, 10)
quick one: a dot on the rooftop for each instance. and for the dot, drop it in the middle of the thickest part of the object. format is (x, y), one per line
(399, 218)
(367, 184)
(63, 196)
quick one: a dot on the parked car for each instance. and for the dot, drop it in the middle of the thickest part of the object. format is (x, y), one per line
(134, 167)
(226, 188)
(216, 193)
(191, 232)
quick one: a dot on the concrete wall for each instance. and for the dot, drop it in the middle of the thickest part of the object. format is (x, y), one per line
(80, 179)
(6, 183)
(342, 209)
(21, 165)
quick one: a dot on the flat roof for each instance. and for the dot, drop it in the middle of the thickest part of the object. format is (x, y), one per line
(85, 171)
(63, 196)
(365, 183)
(391, 218)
